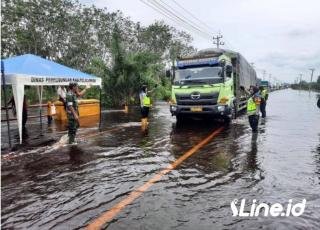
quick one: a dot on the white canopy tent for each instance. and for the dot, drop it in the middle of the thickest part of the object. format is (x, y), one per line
(32, 70)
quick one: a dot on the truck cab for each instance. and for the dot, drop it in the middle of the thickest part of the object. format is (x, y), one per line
(206, 84)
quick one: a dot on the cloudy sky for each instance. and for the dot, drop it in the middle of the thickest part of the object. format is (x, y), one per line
(279, 36)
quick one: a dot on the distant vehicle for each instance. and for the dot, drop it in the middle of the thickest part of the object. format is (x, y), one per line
(266, 85)
(318, 103)
(208, 83)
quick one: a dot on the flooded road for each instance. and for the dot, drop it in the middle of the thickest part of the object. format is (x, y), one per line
(70, 186)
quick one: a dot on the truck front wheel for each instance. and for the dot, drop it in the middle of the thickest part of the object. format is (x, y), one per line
(233, 114)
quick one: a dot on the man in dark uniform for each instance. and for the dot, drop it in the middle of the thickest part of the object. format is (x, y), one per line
(72, 110)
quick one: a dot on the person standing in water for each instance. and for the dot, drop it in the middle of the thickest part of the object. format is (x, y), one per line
(145, 104)
(72, 110)
(264, 97)
(253, 108)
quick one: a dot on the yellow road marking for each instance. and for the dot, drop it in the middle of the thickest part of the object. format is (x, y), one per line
(109, 215)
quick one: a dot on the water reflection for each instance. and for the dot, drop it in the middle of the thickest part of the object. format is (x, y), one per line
(252, 154)
(218, 154)
(76, 154)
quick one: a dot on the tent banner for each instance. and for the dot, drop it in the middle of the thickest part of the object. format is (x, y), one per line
(50, 80)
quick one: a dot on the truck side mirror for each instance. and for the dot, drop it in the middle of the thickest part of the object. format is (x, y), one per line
(228, 70)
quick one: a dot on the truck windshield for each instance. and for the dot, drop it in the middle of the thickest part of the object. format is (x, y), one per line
(200, 75)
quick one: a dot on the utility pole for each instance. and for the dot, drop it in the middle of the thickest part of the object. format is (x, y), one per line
(217, 40)
(270, 80)
(264, 75)
(300, 80)
(312, 70)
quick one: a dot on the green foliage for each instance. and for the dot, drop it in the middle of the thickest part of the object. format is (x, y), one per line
(305, 85)
(106, 44)
(127, 73)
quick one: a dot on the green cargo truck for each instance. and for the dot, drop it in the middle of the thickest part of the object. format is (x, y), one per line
(208, 84)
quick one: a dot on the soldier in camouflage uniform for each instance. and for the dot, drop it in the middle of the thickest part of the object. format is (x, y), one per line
(72, 110)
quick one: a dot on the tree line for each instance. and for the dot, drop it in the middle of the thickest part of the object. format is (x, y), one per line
(307, 85)
(109, 45)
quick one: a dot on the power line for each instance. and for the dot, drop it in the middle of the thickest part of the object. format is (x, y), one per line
(211, 30)
(163, 8)
(181, 20)
(160, 11)
(230, 45)
(185, 18)
(192, 15)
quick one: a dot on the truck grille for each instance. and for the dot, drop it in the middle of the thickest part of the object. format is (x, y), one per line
(203, 99)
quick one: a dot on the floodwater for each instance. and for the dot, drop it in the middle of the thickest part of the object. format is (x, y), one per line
(66, 187)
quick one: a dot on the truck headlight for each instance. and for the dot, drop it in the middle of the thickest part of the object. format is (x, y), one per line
(173, 108)
(221, 108)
